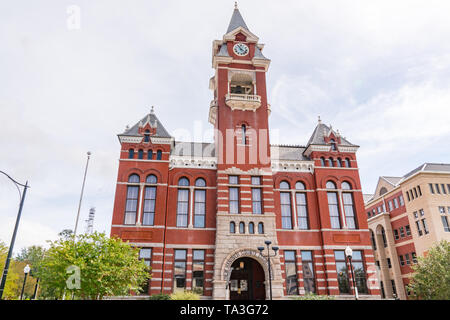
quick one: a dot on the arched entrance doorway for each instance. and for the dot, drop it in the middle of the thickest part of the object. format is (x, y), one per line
(247, 280)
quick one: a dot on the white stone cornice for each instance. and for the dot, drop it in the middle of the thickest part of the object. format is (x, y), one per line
(351, 149)
(160, 140)
(292, 166)
(192, 162)
(130, 139)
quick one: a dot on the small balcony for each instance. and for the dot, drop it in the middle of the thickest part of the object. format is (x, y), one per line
(243, 101)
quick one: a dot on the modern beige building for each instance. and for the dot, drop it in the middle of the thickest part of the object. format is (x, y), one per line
(406, 216)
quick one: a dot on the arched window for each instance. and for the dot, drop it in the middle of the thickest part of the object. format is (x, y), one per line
(200, 203)
(347, 163)
(159, 155)
(133, 178)
(330, 185)
(383, 236)
(131, 154)
(140, 154)
(300, 186)
(147, 136)
(286, 210)
(200, 182)
(151, 179)
(150, 155)
(284, 185)
(372, 238)
(244, 134)
(232, 227)
(148, 217)
(333, 209)
(322, 161)
(131, 200)
(183, 182)
(251, 228)
(183, 203)
(302, 210)
(241, 227)
(339, 162)
(330, 162)
(333, 145)
(261, 228)
(346, 186)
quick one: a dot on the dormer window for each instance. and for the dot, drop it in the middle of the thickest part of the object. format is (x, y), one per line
(333, 145)
(147, 136)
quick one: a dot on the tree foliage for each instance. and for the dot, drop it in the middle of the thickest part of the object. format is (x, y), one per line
(91, 267)
(431, 278)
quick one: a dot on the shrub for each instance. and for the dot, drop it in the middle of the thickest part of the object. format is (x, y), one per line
(160, 296)
(186, 295)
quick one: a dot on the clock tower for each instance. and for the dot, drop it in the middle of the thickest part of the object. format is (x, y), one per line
(239, 113)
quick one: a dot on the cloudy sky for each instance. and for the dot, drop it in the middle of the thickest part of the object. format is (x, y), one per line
(74, 74)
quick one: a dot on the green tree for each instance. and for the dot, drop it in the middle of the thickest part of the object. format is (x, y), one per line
(431, 278)
(12, 281)
(92, 267)
(32, 256)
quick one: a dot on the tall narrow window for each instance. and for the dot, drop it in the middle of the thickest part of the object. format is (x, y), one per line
(131, 154)
(199, 203)
(150, 154)
(383, 236)
(443, 188)
(349, 210)
(342, 272)
(256, 196)
(148, 217)
(132, 200)
(233, 195)
(158, 155)
(372, 238)
(437, 188)
(302, 211)
(140, 154)
(322, 161)
(145, 254)
(359, 271)
(425, 227)
(400, 199)
(179, 270)
(198, 267)
(431, 188)
(147, 136)
(183, 203)
(330, 162)
(291, 272)
(241, 227)
(232, 227)
(418, 189)
(260, 228)
(445, 223)
(333, 145)
(251, 228)
(419, 231)
(333, 208)
(244, 134)
(286, 211)
(309, 282)
(394, 288)
(347, 163)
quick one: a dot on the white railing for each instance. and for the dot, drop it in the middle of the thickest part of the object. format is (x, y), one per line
(243, 97)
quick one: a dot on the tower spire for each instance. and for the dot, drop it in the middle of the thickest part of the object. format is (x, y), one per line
(236, 20)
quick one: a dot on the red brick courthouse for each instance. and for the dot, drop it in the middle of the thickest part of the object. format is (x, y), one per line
(199, 211)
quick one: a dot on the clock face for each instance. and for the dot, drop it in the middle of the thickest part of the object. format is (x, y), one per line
(240, 49)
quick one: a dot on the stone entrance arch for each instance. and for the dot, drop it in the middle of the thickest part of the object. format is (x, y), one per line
(226, 270)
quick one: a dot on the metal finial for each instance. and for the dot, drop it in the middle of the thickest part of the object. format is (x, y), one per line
(320, 121)
(152, 110)
(235, 5)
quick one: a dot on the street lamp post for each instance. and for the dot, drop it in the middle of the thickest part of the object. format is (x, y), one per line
(268, 256)
(349, 253)
(13, 239)
(26, 270)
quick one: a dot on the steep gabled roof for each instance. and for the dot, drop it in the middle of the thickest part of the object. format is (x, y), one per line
(236, 21)
(153, 120)
(321, 131)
